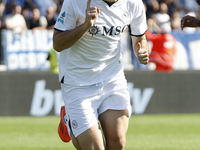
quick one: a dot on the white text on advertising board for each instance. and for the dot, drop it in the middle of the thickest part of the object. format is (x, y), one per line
(44, 100)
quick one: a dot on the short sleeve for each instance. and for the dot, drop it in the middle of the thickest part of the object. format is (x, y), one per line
(138, 26)
(66, 19)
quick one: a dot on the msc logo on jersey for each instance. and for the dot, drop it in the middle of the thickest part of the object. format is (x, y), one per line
(61, 18)
(107, 31)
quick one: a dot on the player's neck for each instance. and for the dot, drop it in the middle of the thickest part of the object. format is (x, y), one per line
(111, 0)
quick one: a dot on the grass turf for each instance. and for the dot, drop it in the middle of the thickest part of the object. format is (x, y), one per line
(146, 132)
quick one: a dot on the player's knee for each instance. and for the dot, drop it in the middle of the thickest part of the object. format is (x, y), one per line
(117, 143)
(121, 143)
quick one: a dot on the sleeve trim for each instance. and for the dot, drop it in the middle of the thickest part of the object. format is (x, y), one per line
(138, 35)
(58, 30)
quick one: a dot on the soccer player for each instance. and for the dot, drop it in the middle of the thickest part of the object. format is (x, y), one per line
(190, 21)
(94, 88)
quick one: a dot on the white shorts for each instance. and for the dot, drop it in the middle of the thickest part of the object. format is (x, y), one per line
(84, 104)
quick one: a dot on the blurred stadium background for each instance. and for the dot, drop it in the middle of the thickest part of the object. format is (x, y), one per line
(165, 104)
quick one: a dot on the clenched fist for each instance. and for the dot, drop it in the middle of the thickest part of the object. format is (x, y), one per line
(142, 54)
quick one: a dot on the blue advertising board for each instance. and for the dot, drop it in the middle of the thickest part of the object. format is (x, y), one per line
(28, 51)
(188, 50)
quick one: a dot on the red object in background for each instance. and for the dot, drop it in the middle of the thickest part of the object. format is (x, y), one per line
(163, 51)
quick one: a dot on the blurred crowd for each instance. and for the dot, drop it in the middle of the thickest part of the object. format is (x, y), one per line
(166, 14)
(163, 16)
(20, 15)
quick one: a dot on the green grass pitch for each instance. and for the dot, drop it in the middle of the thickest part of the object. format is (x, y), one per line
(146, 132)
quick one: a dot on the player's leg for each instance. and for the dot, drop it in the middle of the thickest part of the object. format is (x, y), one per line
(75, 142)
(114, 113)
(114, 125)
(91, 139)
(81, 106)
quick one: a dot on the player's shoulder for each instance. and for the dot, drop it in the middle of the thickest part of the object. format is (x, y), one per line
(77, 3)
(134, 2)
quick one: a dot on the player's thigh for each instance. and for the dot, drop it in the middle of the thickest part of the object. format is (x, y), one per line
(75, 142)
(81, 106)
(91, 139)
(114, 124)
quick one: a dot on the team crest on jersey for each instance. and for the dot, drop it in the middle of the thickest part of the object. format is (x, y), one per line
(74, 124)
(94, 30)
(61, 18)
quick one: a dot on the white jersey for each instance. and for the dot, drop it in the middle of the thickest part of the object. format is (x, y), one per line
(96, 56)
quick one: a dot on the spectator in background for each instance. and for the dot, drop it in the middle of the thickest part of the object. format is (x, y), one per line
(2, 16)
(187, 6)
(53, 58)
(163, 49)
(191, 5)
(59, 6)
(37, 22)
(10, 3)
(27, 16)
(162, 16)
(2, 26)
(15, 21)
(42, 5)
(171, 4)
(152, 6)
(151, 21)
(51, 17)
(175, 21)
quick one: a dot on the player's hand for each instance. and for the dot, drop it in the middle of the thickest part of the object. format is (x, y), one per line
(91, 14)
(189, 21)
(142, 55)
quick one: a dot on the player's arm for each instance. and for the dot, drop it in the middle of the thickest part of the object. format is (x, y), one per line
(141, 48)
(190, 21)
(65, 39)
